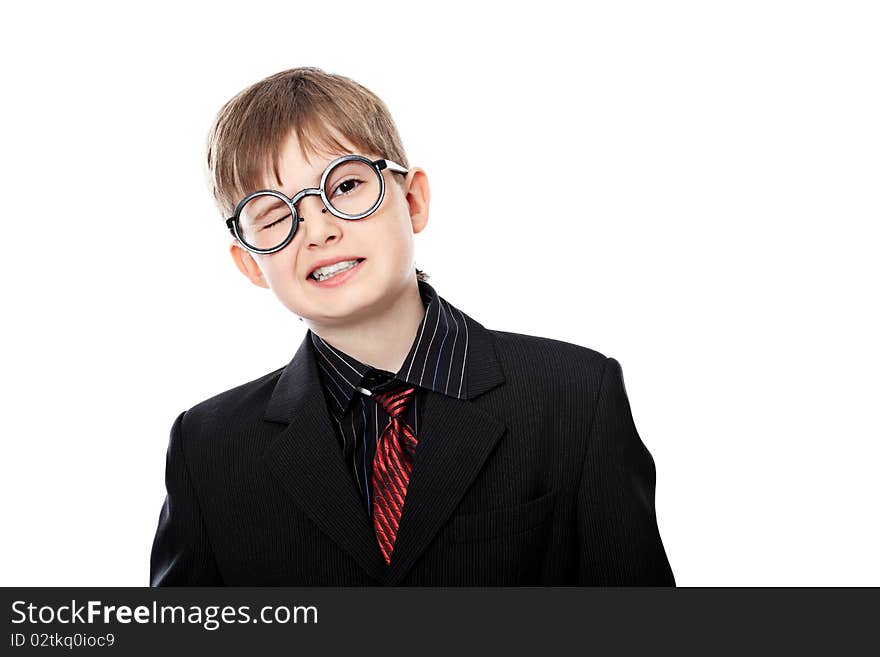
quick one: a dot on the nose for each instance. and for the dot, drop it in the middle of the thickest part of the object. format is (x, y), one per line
(319, 229)
(309, 206)
(303, 218)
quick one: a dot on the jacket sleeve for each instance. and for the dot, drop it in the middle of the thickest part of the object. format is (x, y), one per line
(181, 554)
(619, 541)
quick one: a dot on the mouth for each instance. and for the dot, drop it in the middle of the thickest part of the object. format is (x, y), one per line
(334, 271)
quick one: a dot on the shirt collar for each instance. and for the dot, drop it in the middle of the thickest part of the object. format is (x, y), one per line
(436, 360)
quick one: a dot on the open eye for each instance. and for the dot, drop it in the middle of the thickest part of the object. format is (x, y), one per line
(347, 186)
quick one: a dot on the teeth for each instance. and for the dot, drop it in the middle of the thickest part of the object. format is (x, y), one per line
(323, 273)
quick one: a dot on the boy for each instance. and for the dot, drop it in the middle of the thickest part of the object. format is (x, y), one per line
(404, 443)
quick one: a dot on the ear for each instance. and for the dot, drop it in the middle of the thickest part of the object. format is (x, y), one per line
(247, 265)
(418, 197)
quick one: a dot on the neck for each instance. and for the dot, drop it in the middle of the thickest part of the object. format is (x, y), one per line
(382, 339)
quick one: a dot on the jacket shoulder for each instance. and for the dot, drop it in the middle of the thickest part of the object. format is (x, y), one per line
(562, 378)
(241, 402)
(537, 351)
(529, 360)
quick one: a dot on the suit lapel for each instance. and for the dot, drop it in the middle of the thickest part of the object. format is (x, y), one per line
(305, 458)
(455, 438)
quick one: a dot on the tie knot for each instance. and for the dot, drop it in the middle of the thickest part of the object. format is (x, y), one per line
(395, 402)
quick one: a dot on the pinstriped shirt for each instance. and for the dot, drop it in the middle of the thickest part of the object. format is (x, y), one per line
(435, 365)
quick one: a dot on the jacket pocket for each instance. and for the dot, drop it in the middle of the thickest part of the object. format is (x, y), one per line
(505, 521)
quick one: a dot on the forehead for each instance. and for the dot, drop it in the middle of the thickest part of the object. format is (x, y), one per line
(299, 166)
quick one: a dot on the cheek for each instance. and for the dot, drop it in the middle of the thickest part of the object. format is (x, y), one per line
(278, 269)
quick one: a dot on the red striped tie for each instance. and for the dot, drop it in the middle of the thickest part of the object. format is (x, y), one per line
(392, 466)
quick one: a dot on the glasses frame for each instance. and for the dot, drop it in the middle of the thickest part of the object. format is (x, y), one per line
(377, 165)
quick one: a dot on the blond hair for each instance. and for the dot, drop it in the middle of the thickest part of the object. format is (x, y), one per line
(245, 141)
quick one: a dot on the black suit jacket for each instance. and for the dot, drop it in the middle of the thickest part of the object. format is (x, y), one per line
(539, 478)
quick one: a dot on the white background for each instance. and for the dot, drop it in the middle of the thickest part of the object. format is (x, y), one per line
(688, 187)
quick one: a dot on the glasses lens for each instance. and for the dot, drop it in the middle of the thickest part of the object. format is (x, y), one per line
(265, 221)
(352, 187)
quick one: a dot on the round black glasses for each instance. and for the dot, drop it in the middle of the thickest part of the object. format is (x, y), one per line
(352, 187)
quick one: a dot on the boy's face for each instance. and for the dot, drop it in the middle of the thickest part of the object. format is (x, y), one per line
(384, 239)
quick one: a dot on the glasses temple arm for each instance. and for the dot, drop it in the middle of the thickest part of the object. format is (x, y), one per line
(391, 166)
